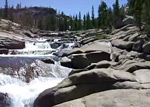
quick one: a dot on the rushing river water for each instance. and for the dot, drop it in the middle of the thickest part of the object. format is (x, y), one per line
(23, 94)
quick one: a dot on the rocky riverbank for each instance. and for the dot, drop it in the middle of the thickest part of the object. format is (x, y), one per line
(108, 69)
(113, 72)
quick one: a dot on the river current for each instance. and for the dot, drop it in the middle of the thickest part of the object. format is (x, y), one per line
(23, 94)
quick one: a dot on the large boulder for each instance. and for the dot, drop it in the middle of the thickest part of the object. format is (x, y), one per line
(122, 44)
(97, 56)
(83, 83)
(123, 22)
(132, 65)
(7, 41)
(137, 46)
(99, 45)
(128, 20)
(65, 61)
(49, 61)
(80, 61)
(4, 51)
(4, 100)
(118, 23)
(143, 76)
(112, 98)
(29, 34)
(146, 48)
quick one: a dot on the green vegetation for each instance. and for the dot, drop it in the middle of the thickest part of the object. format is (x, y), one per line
(140, 9)
(97, 37)
(50, 19)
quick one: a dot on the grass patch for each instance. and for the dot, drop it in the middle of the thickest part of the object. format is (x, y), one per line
(97, 37)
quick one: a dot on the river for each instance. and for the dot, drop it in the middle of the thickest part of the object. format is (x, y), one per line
(23, 94)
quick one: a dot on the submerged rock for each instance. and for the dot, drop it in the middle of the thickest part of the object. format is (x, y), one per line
(4, 100)
(4, 51)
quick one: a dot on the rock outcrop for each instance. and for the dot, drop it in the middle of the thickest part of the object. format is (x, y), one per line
(85, 82)
(97, 81)
(112, 98)
(8, 41)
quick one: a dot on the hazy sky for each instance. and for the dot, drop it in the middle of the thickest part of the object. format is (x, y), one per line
(69, 7)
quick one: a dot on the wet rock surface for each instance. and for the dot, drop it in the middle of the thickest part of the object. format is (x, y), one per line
(4, 100)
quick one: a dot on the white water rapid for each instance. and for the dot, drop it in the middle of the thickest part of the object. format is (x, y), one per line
(23, 94)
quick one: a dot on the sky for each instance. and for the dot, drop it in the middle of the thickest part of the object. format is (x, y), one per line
(69, 7)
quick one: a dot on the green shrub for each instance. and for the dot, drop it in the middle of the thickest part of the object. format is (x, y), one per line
(101, 37)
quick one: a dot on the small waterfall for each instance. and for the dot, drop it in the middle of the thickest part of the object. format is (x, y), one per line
(34, 48)
(23, 94)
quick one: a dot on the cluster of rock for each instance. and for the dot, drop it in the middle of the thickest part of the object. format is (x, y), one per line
(98, 81)
(128, 42)
(106, 73)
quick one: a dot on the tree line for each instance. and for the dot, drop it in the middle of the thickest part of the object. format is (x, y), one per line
(62, 22)
(140, 9)
(106, 20)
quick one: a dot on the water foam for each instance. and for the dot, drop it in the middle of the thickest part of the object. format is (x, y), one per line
(23, 94)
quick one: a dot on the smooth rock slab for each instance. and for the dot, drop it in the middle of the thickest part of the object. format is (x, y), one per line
(122, 44)
(85, 83)
(143, 76)
(112, 98)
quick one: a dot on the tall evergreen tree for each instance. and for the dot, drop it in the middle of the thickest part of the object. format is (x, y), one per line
(10, 15)
(0, 13)
(66, 24)
(109, 19)
(73, 23)
(102, 15)
(76, 23)
(6, 9)
(138, 12)
(93, 17)
(79, 22)
(84, 22)
(41, 25)
(131, 4)
(89, 24)
(116, 9)
(146, 16)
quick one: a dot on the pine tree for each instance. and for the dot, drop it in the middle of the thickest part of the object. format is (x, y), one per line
(61, 24)
(146, 16)
(11, 16)
(93, 17)
(131, 4)
(0, 14)
(84, 22)
(41, 25)
(76, 23)
(102, 15)
(116, 10)
(54, 24)
(72, 23)
(89, 24)
(79, 22)
(66, 25)
(109, 19)
(6, 9)
(138, 12)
